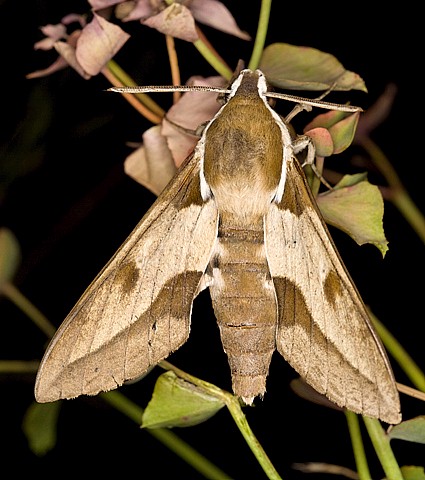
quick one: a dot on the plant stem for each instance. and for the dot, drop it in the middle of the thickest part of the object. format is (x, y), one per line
(22, 302)
(238, 416)
(166, 437)
(381, 444)
(357, 443)
(18, 366)
(174, 65)
(260, 38)
(398, 196)
(315, 180)
(233, 405)
(142, 102)
(405, 361)
(402, 200)
(212, 57)
(170, 440)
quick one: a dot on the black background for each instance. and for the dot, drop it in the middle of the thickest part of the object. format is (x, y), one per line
(67, 200)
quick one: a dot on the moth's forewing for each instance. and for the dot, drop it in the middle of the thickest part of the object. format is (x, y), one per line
(137, 311)
(324, 330)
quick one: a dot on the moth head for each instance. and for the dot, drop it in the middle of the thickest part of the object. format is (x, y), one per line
(248, 81)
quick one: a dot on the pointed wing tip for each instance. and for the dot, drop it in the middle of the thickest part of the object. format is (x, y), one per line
(43, 395)
(392, 418)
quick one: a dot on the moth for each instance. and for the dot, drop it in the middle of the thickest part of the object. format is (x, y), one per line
(239, 218)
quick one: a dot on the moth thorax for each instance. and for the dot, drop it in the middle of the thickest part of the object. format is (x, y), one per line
(243, 155)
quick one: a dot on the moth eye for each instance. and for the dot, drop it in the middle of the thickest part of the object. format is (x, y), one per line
(154, 327)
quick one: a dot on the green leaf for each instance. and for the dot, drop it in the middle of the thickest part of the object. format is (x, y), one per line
(326, 120)
(39, 426)
(342, 133)
(355, 206)
(411, 472)
(177, 403)
(304, 68)
(410, 430)
(10, 255)
(340, 125)
(351, 180)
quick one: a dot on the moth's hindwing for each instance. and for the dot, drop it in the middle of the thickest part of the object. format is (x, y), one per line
(324, 331)
(137, 310)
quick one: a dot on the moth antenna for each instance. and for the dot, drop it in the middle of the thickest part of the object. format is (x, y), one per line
(168, 88)
(308, 103)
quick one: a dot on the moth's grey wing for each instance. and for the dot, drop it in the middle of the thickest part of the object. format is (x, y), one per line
(324, 331)
(137, 310)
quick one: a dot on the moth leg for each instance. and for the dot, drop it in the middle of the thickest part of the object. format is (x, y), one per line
(188, 131)
(302, 106)
(303, 142)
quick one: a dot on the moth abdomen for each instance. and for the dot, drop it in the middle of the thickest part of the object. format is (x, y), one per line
(245, 305)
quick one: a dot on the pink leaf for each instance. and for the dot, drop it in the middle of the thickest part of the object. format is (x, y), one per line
(67, 58)
(176, 20)
(67, 52)
(216, 15)
(74, 17)
(99, 4)
(45, 44)
(54, 32)
(191, 111)
(140, 10)
(99, 41)
(322, 141)
(152, 164)
(57, 65)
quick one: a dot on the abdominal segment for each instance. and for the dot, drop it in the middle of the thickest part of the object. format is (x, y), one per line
(245, 305)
